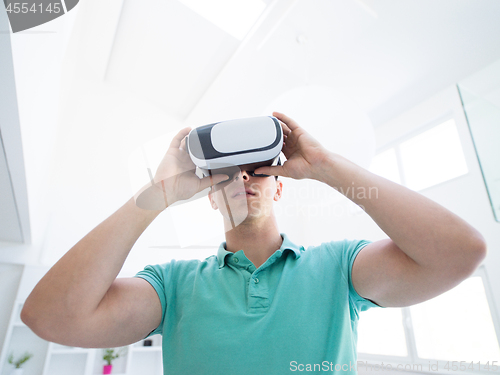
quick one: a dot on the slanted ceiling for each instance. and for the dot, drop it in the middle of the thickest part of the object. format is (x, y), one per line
(387, 54)
(168, 56)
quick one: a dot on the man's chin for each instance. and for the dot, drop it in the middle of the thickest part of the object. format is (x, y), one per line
(248, 218)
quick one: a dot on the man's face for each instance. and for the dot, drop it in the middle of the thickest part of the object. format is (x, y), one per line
(245, 197)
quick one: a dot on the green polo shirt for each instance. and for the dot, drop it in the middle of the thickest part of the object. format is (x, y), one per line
(297, 311)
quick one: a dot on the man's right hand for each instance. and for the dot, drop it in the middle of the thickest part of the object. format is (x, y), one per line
(175, 178)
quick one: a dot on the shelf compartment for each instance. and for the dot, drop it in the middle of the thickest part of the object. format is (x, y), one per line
(146, 362)
(63, 363)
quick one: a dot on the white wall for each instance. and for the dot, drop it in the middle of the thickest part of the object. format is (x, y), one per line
(10, 277)
(37, 56)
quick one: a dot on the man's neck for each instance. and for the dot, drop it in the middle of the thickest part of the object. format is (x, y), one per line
(258, 240)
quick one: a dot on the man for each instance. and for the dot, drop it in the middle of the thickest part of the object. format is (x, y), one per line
(262, 305)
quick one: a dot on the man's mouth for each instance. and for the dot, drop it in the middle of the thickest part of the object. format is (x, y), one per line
(240, 193)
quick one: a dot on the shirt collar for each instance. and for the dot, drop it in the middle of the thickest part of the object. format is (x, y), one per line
(286, 245)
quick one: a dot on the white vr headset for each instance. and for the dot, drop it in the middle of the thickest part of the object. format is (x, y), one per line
(249, 143)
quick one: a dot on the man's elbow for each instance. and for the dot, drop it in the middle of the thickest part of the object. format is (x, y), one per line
(481, 250)
(33, 320)
(30, 318)
(40, 322)
(476, 251)
(28, 314)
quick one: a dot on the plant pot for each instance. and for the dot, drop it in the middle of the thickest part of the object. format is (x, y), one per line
(17, 371)
(107, 369)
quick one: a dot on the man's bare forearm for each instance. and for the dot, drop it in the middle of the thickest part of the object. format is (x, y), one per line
(427, 232)
(73, 288)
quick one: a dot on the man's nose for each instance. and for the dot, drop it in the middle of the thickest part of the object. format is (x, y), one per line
(244, 175)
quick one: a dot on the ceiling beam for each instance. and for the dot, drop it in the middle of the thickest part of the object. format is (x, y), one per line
(100, 21)
(266, 25)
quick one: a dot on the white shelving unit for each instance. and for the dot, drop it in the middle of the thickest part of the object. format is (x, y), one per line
(19, 338)
(54, 359)
(145, 359)
(136, 359)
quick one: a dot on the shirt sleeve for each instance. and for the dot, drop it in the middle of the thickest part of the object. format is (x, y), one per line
(350, 250)
(155, 275)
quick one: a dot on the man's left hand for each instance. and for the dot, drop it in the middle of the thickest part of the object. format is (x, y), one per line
(304, 154)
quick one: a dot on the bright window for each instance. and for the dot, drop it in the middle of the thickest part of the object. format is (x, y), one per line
(235, 17)
(433, 156)
(380, 331)
(385, 164)
(456, 325)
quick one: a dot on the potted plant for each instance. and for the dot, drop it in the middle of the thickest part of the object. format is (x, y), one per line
(18, 370)
(108, 356)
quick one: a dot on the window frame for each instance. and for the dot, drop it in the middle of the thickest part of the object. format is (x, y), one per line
(395, 144)
(413, 360)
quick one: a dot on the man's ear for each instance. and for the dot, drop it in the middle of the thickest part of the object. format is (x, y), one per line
(211, 199)
(279, 190)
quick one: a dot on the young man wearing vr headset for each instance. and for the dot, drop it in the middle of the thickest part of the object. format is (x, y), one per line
(262, 305)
